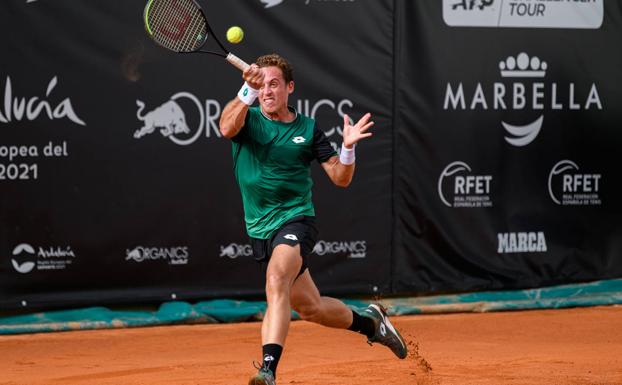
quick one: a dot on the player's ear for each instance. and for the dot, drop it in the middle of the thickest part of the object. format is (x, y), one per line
(290, 87)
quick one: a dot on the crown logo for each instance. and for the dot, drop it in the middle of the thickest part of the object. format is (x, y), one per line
(523, 67)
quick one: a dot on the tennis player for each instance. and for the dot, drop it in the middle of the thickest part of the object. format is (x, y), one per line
(273, 147)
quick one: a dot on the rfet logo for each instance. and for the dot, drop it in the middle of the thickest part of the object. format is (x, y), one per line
(569, 187)
(458, 186)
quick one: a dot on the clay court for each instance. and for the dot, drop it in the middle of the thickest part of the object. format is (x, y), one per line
(573, 346)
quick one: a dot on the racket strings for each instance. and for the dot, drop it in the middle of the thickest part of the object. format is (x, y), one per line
(178, 25)
(195, 33)
(159, 18)
(178, 15)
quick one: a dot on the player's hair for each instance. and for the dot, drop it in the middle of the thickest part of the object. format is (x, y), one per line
(274, 60)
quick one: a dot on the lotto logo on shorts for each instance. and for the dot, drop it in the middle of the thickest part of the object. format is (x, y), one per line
(291, 237)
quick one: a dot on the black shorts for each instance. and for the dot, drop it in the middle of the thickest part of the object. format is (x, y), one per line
(298, 231)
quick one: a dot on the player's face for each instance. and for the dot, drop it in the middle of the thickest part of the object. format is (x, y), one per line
(274, 93)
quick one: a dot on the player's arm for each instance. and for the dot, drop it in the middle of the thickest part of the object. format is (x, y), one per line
(340, 169)
(234, 114)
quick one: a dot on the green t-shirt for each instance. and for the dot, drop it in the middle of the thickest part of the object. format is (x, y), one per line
(272, 162)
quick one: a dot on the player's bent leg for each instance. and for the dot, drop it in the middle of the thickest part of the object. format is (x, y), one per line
(282, 269)
(306, 300)
(373, 323)
(284, 265)
(384, 332)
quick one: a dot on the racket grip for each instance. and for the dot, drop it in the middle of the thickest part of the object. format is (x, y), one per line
(237, 62)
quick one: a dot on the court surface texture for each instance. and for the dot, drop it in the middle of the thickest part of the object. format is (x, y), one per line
(572, 346)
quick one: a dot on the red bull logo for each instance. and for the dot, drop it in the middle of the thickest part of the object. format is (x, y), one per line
(182, 119)
(169, 118)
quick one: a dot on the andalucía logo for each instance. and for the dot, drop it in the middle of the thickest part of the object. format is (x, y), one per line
(26, 251)
(26, 258)
(527, 93)
(30, 108)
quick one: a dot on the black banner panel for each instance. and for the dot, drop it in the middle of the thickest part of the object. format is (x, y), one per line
(116, 185)
(506, 142)
(493, 161)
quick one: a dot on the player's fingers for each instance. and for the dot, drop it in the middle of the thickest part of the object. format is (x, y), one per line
(255, 77)
(366, 135)
(366, 127)
(346, 120)
(364, 119)
(250, 70)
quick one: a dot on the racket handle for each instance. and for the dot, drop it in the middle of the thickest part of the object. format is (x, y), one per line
(237, 62)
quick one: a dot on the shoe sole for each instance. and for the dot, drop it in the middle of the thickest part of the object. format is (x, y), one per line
(383, 313)
(259, 380)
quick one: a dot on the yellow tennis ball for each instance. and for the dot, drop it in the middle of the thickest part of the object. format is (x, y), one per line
(235, 34)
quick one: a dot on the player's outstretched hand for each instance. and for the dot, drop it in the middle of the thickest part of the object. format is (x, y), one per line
(353, 133)
(254, 76)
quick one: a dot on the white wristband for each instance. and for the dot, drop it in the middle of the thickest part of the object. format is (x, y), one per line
(347, 155)
(248, 94)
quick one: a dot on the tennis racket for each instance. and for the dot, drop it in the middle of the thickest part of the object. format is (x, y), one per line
(181, 26)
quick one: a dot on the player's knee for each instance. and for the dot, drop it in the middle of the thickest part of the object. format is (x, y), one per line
(309, 312)
(277, 284)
